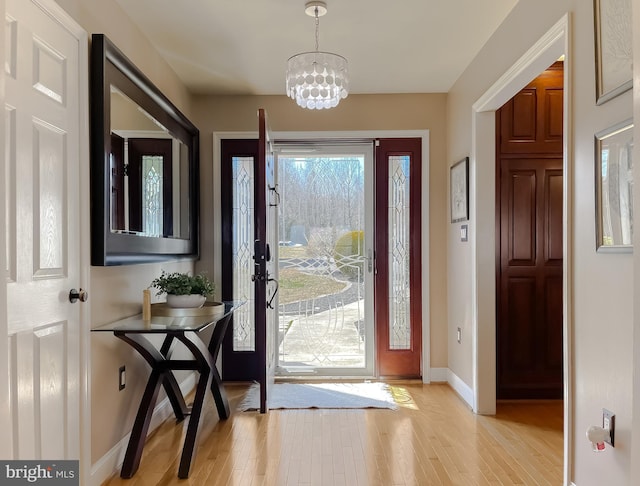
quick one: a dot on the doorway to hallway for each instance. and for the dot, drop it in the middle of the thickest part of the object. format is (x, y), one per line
(529, 240)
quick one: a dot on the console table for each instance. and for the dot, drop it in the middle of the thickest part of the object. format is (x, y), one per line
(188, 330)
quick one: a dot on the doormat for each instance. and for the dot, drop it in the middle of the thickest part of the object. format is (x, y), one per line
(321, 395)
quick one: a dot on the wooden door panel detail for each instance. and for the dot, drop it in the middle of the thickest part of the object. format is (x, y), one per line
(49, 72)
(42, 409)
(51, 368)
(523, 117)
(553, 318)
(522, 303)
(521, 187)
(553, 125)
(531, 122)
(50, 224)
(553, 217)
(10, 191)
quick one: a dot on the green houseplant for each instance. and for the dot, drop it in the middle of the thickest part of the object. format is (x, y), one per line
(183, 289)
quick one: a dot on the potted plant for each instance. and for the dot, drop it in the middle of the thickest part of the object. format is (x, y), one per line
(183, 289)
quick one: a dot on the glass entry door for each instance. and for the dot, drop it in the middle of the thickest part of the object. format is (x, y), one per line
(325, 220)
(339, 242)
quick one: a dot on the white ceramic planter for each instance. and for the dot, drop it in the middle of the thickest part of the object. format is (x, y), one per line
(185, 301)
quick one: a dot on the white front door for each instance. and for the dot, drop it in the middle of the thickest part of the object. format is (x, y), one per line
(45, 142)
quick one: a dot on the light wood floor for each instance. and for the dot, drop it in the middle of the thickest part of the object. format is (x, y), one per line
(433, 439)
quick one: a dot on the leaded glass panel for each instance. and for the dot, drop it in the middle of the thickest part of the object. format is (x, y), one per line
(152, 195)
(244, 338)
(399, 268)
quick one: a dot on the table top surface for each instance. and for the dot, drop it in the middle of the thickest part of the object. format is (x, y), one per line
(168, 324)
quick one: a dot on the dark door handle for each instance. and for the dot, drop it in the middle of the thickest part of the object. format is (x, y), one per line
(78, 295)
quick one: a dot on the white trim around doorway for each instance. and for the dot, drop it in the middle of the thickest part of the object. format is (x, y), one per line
(555, 43)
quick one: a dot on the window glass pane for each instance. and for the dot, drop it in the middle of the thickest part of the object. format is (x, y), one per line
(152, 195)
(399, 288)
(244, 337)
(323, 262)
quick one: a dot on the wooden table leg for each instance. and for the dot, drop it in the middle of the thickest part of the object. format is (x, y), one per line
(217, 387)
(141, 425)
(201, 354)
(155, 358)
(180, 409)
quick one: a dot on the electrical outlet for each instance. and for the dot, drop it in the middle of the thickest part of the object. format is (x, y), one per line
(122, 378)
(459, 335)
(609, 422)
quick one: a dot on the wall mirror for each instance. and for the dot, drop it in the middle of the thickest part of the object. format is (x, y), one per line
(144, 166)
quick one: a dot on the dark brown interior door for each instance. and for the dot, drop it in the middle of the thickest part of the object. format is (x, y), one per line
(529, 241)
(397, 287)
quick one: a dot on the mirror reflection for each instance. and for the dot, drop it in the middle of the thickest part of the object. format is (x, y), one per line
(149, 174)
(144, 166)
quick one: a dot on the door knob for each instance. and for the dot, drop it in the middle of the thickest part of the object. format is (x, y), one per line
(75, 295)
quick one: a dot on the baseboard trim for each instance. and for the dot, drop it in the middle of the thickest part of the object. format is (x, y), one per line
(439, 375)
(445, 375)
(460, 387)
(110, 463)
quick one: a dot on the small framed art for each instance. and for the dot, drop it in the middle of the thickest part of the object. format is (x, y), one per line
(459, 187)
(614, 188)
(613, 38)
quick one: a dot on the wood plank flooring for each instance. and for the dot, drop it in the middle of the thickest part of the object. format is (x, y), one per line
(433, 439)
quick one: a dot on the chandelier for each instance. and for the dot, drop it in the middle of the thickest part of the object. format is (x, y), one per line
(317, 79)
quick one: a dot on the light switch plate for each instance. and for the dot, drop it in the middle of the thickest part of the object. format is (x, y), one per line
(464, 232)
(609, 422)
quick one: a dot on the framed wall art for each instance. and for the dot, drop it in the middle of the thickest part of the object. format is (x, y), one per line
(614, 188)
(613, 48)
(459, 182)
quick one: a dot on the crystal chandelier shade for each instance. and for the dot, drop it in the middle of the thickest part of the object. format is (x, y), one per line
(317, 80)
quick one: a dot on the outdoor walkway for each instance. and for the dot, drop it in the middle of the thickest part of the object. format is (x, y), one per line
(328, 338)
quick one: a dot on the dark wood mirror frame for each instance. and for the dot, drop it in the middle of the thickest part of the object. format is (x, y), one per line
(110, 67)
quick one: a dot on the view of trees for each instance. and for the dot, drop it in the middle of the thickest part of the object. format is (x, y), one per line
(321, 199)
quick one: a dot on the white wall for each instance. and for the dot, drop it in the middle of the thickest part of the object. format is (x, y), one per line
(603, 283)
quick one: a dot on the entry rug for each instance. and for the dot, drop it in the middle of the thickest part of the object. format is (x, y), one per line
(321, 395)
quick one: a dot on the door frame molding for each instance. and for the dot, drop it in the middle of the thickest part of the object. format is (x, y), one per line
(363, 134)
(555, 43)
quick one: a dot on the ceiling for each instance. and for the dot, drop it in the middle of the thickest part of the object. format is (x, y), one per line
(241, 46)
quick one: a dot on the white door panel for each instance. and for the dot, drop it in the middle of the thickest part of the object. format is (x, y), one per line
(42, 148)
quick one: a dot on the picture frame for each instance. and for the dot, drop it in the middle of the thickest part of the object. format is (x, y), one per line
(613, 48)
(614, 188)
(459, 190)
